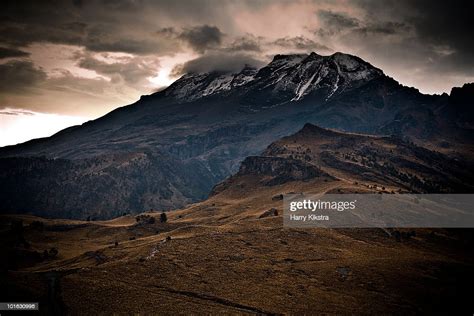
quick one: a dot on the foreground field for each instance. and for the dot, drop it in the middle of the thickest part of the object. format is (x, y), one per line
(219, 256)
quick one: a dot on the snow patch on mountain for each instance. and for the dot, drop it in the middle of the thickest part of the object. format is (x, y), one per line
(191, 87)
(336, 83)
(301, 89)
(286, 61)
(219, 84)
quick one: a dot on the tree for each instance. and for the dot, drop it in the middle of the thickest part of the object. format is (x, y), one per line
(163, 217)
(51, 254)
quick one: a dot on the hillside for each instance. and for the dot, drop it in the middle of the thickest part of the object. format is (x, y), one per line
(386, 163)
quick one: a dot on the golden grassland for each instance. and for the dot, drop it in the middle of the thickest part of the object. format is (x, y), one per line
(218, 256)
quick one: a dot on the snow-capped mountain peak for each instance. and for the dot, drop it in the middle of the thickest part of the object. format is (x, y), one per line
(293, 77)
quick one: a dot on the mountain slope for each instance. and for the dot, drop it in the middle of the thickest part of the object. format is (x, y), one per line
(195, 133)
(352, 161)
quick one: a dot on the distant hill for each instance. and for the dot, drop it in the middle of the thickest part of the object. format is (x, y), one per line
(358, 162)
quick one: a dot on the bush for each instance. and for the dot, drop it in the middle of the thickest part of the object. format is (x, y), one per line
(163, 217)
(145, 219)
(16, 229)
(51, 254)
(37, 225)
(397, 235)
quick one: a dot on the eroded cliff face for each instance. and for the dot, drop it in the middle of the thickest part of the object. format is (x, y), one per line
(280, 169)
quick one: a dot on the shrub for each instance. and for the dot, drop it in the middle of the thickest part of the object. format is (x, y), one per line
(37, 225)
(163, 217)
(145, 219)
(51, 254)
(17, 231)
(397, 236)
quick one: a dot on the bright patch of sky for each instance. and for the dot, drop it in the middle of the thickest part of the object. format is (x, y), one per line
(17, 126)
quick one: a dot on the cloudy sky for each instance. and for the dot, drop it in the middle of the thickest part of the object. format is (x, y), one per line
(64, 62)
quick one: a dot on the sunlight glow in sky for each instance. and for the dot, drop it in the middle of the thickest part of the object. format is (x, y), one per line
(163, 79)
(17, 126)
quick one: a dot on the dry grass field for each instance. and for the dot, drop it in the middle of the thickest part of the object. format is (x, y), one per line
(218, 256)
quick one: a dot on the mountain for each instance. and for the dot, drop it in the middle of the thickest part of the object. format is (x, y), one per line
(170, 148)
(353, 162)
(461, 109)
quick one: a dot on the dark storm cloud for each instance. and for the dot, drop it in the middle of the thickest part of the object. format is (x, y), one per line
(335, 22)
(437, 21)
(6, 52)
(168, 32)
(131, 46)
(133, 71)
(384, 28)
(301, 43)
(20, 35)
(202, 38)
(98, 26)
(247, 43)
(220, 62)
(20, 77)
(114, 26)
(25, 22)
(445, 28)
(68, 82)
(130, 26)
(15, 112)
